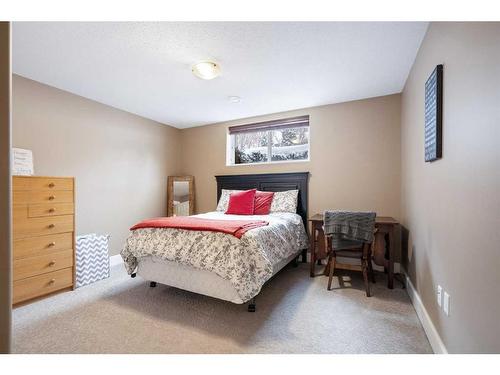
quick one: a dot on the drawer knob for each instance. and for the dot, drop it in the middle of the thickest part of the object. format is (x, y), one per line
(52, 244)
(52, 226)
(52, 281)
(52, 210)
(52, 197)
(51, 185)
(52, 263)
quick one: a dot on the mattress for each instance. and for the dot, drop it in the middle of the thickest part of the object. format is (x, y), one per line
(194, 280)
(246, 263)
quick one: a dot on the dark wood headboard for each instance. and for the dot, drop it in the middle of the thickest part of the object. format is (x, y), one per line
(269, 182)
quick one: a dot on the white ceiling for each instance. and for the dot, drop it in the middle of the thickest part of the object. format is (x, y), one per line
(145, 68)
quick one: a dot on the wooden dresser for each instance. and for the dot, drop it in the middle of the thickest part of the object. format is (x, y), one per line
(43, 236)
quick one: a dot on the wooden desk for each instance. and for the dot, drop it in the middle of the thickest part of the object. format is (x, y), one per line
(383, 252)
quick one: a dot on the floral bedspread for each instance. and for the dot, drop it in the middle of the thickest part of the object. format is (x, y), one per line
(247, 263)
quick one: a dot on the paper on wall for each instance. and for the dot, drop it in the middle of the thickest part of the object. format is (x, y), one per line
(22, 162)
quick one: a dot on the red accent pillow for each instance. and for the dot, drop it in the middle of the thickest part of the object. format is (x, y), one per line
(263, 201)
(241, 202)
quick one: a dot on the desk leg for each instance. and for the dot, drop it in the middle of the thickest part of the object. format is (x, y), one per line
(390, 275)
(312, 249)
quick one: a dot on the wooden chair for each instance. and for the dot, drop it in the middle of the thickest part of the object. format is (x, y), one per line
(364, 254)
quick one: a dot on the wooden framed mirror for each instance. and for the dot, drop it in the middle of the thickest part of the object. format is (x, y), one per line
(180, 196)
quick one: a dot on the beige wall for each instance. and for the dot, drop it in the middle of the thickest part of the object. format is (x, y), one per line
(354, 156)
(451, 207)
(118, 158)
(120, 161)
(5, 195)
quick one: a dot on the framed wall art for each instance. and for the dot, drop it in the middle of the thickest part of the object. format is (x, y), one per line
(434, 115)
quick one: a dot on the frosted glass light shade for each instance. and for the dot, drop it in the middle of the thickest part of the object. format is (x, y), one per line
(206, 70)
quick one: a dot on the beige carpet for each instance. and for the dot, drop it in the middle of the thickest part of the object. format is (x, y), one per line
(295, 314)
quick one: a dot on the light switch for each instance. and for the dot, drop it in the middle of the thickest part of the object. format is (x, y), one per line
(439, 295)
(446, 304)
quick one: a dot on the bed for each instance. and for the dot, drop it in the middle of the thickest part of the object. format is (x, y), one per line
(220, 265)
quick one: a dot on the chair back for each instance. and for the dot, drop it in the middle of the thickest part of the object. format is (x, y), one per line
(349, 229)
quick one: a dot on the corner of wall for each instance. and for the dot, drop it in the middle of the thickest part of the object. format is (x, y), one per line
(5, 190)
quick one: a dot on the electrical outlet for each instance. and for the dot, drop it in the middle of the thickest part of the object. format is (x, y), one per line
(439, 295)
(446, 304)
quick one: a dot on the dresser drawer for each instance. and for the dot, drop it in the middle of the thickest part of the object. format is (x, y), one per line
(19, 212)
(41, 183)
(27, 197)
(33, 266)
(43, 284)
(42, 245)
(39, 226)
(50, 209)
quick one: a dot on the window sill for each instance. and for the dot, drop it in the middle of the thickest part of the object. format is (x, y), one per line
(269, 163)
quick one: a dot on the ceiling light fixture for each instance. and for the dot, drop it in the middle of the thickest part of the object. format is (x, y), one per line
(206, 70)
(234, 99)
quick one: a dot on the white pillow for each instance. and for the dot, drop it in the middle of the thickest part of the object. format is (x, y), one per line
(224, 200)
(285, 201)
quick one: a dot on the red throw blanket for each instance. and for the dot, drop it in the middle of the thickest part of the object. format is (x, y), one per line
(236, 228)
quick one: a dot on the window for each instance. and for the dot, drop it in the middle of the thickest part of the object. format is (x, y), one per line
(270, 141)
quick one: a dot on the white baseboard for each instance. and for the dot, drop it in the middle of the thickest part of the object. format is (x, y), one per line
(115, 259)
(397, 267)
(429, 328)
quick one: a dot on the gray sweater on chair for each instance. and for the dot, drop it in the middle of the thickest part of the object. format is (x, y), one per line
(349, 229)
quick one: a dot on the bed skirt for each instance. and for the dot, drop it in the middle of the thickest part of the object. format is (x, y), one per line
(194, 280)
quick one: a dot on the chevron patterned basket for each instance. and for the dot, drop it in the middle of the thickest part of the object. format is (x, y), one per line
(92, 259)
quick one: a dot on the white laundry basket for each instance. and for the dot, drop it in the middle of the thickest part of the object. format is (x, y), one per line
(92, 258)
